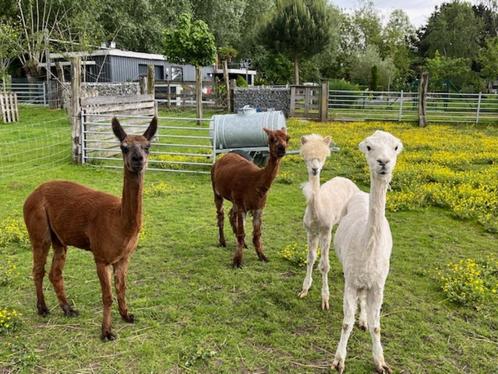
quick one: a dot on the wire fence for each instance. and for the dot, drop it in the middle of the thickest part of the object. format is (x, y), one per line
(404, 106)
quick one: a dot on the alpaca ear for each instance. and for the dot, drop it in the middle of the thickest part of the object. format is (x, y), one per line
(327, 140)
(118, 130)
(304, 139)
(268, 132)
(151, 130)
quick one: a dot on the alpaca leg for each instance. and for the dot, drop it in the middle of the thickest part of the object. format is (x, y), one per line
(362, 322)
(374, 304)
(312, 248)
(39, 235)
(57, 279)
(40, 253)
(120, 273)
(256, 238)
(233, 217)
(104, 273)
(218, 201)
(349, 306)
(239, 224)
(325, 236)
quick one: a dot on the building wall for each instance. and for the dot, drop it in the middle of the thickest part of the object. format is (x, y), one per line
(263, 98)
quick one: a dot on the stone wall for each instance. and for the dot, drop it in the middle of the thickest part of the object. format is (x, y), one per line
(100, 89)
(263, 98)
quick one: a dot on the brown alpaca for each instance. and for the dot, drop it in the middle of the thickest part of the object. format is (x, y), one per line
(244, 184)
(65, 213)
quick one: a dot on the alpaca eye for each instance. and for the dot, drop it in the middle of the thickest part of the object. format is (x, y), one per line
(147, 149)
(396, 148)
(369, 148)
(124, 148)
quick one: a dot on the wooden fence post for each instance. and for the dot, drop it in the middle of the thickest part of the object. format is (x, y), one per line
(422, 99)
(76, 108)
(233, 86)
(150, 80)
(292, 109)
(324, 101)
(143, 85)
(227, 83)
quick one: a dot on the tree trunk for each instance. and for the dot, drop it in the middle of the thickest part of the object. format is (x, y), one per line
(198, 92)
(422, 99)
(296, 70)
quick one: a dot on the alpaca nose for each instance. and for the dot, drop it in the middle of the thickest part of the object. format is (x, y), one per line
(137, 158)
(383, 162)
(314, 171)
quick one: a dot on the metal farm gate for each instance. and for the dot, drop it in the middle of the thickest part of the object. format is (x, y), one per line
(181, 144)
(30, 93)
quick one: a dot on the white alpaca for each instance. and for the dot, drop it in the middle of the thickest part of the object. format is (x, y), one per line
(325, 207)
(363, 243)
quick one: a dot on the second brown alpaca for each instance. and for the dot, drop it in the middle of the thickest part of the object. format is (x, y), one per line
(240, 181)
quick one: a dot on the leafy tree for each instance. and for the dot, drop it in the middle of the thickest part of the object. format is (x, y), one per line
(488, 13)
(54, 25)
(9, 48)
(299, 29)
(374, 78)
(191, 42)
(488, 58)
(453, 30)
(448, 73)
(397, 38)
(137, 25)
(361, 70)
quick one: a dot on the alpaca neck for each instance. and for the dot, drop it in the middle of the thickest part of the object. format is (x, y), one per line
(131, 202)
(270, 172)
(376, 209)
(314, 202)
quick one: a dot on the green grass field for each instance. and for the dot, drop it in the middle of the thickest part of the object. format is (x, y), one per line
(196, 314)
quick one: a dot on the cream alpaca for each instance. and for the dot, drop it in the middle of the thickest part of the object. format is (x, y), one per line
(363, 243)
(325, 207)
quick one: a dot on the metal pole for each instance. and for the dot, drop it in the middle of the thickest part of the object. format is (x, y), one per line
(44, 85)
(478, 108)
(82, 137)
(400, 106)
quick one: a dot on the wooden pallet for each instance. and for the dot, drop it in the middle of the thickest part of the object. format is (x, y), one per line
(8, 107)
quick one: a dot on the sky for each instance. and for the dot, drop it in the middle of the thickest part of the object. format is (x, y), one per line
(418, 10)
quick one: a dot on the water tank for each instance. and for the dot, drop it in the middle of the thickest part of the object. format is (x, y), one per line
(244, 129)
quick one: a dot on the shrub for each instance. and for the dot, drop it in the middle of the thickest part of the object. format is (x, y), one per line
(341, 84)
(241, 82)
(13, 230)
(296, 254)
(8, 271)
(9, 320)
(470, 282)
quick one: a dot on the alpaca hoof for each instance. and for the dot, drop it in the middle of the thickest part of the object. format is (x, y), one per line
(303, 293)
(363, 325)
(130, 318)
(222, 244)
(108, 336)
(237, 264)
(69, 311)
(383, 369)
(263, 258)
(325, 304)
(338, 365)
(43, 310)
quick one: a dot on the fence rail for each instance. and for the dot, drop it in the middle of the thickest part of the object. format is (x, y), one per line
(403, 106)
(30, 93)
